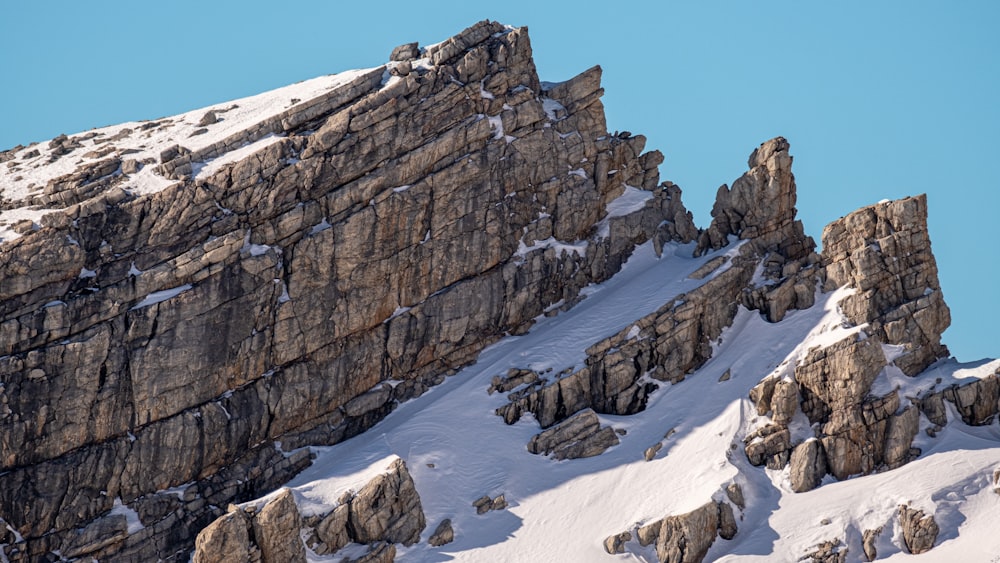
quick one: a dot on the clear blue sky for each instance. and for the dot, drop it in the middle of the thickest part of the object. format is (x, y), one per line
(879, 99)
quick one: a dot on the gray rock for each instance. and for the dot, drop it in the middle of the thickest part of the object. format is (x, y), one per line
(276, 530)
(443, 534)
(920, 531)
(869, 539)
(576, 437)
(807, 465)
(405, 52)
(616, 543)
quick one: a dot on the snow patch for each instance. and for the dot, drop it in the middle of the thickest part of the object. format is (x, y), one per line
(160, 296)
(131, 516)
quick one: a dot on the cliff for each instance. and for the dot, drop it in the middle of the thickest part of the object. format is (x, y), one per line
(192, 307)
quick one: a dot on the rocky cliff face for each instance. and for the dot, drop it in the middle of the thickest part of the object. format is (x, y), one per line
(187, 304)
(395, 226)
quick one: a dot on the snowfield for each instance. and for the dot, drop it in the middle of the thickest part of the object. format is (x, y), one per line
(458, 450)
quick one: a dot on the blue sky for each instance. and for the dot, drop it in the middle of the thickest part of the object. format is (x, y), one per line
(878, 99)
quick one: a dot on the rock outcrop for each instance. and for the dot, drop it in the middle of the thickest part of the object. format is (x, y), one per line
(883, 253)
(388, 229)
(580, 435)
(385, 511)
(686, 538)
(919, 530)
(269, 535)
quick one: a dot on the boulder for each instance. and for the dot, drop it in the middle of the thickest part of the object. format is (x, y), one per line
(576, 437)
(807, 465)
(443, 534)
(920, 531)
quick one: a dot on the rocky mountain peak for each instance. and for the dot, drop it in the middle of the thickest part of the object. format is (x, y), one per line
(199, 313)
(760, 206)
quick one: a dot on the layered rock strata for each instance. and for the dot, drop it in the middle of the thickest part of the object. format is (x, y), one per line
(773, 271)
(166, 350)
(882, 253)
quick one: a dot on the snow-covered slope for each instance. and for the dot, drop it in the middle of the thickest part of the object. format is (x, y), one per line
(458, 449)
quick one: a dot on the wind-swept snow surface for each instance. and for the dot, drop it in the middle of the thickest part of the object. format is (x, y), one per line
(458, 449)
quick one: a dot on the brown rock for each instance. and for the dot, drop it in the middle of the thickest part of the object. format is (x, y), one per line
(576, 437)
(227, 540)
(405, 52)
(735, 495)
(884, 251)
(443, 534)
(807, 465)
(919, 530)
(276, 530)
(616, 543)
(332, 530)
(869, 538)
(686, 538)
(387, 508)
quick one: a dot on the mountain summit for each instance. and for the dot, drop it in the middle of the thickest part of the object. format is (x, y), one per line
(434, 310)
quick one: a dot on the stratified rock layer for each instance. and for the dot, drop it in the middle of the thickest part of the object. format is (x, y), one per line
(402, 221)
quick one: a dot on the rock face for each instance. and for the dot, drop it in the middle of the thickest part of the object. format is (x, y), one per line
(883, 253)
(394, 229)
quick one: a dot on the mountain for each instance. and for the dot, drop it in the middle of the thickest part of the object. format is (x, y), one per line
(434, 310)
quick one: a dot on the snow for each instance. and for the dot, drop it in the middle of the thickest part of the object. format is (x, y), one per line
(146, 139)
(632, 200)
(579, 247)
(201, 171)
(160, 296)
(320, 487)
(131, 516)
(553, 108)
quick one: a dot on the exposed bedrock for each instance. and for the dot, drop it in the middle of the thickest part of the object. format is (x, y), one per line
(385, 511)
(773, 272)
(882, 254)
(191, 338)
